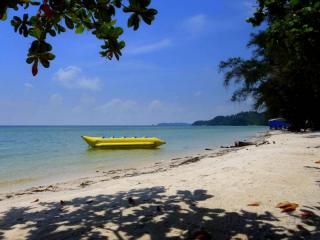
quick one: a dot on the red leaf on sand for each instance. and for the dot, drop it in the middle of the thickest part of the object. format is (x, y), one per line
(254, 204)
(282, 204)
(287, 206)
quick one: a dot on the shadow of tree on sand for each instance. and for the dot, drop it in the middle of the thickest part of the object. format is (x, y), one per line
(148, 212)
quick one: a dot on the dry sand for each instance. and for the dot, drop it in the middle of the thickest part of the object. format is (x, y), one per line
(206, 195)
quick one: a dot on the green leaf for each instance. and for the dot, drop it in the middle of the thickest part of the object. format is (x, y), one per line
(4, 17)
(51, 56)
(52, 33)
(35, 32)
(117, 3)
(79, 29)
(30, 60)
(144, 3)
(133, 21)
(45, 62)
(294, 2)
(69, 22)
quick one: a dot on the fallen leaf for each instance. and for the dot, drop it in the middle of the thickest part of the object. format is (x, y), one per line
(282, 205)
(254, 204)
(318, 162)
(287, 206)
(290, 208)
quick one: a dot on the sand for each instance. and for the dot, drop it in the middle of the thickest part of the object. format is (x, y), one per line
(206, 196)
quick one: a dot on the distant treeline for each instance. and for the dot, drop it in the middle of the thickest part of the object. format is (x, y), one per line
(172, 124)
(240, 119)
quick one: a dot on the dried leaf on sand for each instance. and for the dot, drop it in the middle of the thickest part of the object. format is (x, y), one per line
(287, 206)
(254, 204)
(318, 162)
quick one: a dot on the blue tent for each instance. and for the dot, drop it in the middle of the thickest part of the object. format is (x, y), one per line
(278, 123)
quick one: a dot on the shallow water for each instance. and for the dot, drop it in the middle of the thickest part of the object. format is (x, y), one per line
(33, 155)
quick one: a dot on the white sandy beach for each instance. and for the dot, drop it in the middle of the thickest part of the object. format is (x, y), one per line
(184, 198)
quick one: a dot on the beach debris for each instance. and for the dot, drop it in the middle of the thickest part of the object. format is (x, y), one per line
(317, 162)
(131, 201)
(49, 188)
(243, 144)
(85, 183)
(62, 202)
(37, 200)
(208, 149)
(262, 143)
(191, 160)
(9, 196)
(89, 201)
(306, 214)
(287, 206)
(254, 204)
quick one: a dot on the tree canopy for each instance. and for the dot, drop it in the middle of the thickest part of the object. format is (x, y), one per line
(42, 18)
(239, 119)
(282, 76)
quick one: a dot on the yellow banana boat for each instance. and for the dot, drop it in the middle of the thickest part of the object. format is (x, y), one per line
(124, 142)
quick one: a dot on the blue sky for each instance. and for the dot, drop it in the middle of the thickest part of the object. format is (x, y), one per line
(168, 72)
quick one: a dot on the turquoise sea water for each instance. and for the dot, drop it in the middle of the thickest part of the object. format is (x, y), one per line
(34, 155)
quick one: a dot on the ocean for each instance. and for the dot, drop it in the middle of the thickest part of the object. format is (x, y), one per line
(37, 155)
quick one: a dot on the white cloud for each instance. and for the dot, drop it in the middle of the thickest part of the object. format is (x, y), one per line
(28, 87)
(68, 73)
(152, 47)
(117, 105)
(56, 99)
(195, 24)
(155, 105)
(71, 77)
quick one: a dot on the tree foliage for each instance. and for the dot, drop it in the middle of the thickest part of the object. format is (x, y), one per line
(282, 76)
(42, 18)
(239, 119)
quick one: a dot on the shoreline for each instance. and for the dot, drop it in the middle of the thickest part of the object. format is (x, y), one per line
(228, 194)
(104, 175)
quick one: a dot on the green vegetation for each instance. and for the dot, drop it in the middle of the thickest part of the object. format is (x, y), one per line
(52, 17)
(283, 74)
(172, 124)
(240, 119)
